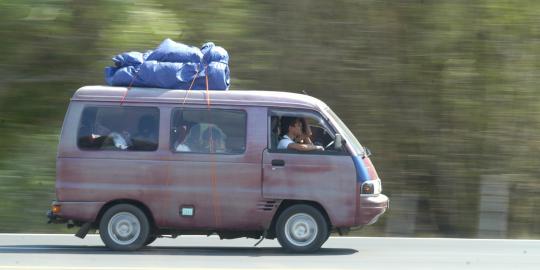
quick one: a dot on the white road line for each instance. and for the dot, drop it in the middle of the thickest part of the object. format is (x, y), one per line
(19, 267)
(332, 237)
(39, 234)
(86, 248)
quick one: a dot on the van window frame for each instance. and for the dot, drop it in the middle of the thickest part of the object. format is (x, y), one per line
(111, 150)
(173, 111)
(316, 113)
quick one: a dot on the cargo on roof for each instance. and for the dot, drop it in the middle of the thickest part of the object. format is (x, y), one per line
(172, 65)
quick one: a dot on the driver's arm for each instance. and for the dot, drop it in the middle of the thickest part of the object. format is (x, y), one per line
(304, 147)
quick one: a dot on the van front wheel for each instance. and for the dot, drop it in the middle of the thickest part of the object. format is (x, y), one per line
(301, 228)
(124, 227)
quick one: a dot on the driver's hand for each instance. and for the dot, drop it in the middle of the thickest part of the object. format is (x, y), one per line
(319, 148)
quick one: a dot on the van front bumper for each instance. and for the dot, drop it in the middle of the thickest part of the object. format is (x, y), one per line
(371, 208)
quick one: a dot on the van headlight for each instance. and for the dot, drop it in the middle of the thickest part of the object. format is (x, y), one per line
(371, 187)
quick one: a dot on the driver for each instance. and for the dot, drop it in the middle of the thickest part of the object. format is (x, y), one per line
(295, 137)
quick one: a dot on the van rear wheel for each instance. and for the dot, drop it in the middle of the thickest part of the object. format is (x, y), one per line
(124, 227)
(301, 228)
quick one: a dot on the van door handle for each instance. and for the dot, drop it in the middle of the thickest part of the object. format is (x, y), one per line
(278, 162)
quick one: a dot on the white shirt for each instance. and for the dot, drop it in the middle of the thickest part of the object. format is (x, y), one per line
(182, 148)
(284, 143)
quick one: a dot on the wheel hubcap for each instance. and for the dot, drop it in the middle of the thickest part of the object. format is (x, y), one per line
(301, 229)
(124, 228)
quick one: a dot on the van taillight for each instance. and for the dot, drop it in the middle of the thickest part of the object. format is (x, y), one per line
(56, 209)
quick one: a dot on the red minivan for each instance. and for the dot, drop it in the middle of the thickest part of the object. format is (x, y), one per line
(136, 164)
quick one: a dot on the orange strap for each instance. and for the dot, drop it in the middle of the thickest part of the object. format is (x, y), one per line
(125, 94)
(168, 179)
(191, 86)
(215, 194)
(207, 92)
(129, 88)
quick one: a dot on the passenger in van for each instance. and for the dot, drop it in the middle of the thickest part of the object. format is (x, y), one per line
(191, 141)
(92, 134)
(213, 140)
(113, 140)
(120, 141)
(296, 136)
(146, 137)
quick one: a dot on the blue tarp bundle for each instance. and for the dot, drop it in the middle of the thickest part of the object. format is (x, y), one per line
(172, 65)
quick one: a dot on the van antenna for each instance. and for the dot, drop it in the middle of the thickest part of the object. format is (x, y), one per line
(305, 92)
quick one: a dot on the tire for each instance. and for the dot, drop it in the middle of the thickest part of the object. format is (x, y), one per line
(150, 240)
(301, 228)
(124, 227)
(327, 236)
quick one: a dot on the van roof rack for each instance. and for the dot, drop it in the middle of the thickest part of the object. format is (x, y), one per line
(233, 97)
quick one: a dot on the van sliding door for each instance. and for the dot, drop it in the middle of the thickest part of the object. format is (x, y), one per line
(214, 180)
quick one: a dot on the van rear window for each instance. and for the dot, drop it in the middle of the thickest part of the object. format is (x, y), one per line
(208, 131)
(119, 128)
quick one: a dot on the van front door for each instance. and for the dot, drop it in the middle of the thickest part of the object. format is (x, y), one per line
(324, 177)
(327, 179)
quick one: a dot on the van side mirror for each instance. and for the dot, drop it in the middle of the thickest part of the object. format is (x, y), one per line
(338, 142)
(367, 152)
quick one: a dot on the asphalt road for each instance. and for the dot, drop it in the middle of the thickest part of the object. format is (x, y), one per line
(66, 252)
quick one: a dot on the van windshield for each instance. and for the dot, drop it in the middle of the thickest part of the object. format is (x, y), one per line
(346, 132)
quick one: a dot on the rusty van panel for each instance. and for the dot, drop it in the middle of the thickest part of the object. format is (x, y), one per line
(326, 179)
(104, 176)
(80, 211)
(223, 195)
(105, 180)
(224, 190)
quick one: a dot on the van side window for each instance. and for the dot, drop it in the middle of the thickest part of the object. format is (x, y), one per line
(119, 128)
(208, 131)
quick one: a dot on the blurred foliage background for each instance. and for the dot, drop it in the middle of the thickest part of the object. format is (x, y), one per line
(444, 92)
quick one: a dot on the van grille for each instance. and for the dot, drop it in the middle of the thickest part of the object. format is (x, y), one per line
(266, 205)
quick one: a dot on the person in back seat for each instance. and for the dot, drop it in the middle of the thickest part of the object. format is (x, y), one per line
(295, 136)
(213, 140)
(191, 141)
(146, 137)
(92, 134)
